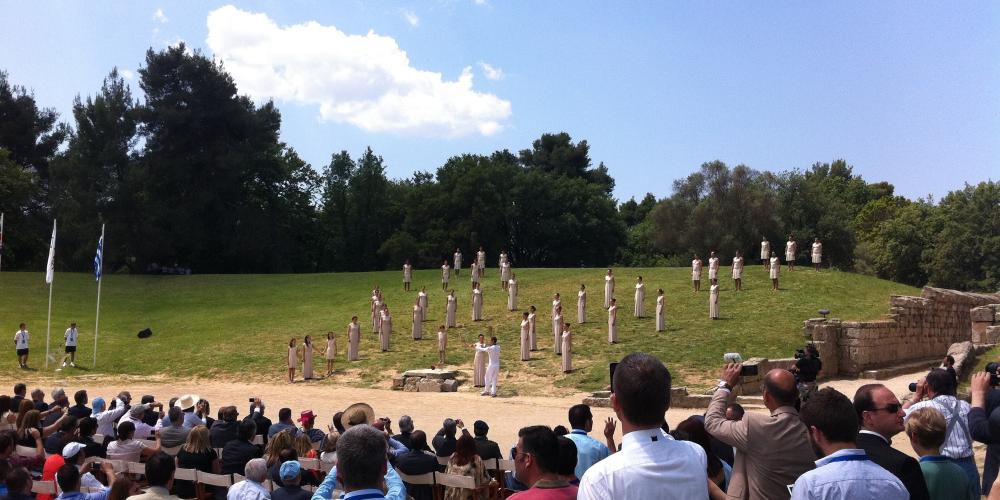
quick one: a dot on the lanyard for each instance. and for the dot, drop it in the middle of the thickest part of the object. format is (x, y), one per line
(935, 458)
(848, 458)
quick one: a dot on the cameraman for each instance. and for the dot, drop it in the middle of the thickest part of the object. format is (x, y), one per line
(806, 369)
(984, 419)
(939, 388)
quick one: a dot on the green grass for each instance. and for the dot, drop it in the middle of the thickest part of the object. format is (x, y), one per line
(237, 326)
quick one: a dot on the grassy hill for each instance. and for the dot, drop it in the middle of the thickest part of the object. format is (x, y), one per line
(237, 326)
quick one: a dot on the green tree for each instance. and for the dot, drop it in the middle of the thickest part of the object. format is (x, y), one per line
(967, 234)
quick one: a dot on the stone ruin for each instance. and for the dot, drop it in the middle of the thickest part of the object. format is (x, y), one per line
(432, 380)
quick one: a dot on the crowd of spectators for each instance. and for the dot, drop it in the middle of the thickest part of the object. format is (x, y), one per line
(829, 447)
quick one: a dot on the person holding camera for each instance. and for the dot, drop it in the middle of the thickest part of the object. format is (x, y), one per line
(806, 369)
(939, 389)
(984, 419)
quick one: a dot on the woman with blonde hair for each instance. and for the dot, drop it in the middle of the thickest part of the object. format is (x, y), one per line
(280, 441)
(328, 448)
(303, 446)
(196, 453)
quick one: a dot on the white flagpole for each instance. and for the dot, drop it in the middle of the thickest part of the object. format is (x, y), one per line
(50, 278)
(97, 320)
(1, 240)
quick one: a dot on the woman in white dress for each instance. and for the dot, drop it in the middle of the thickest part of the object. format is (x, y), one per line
(422, 300)
(377, 318)
(481, 260)
(512, 293)
(581, 304)
(556, 303)
(376, 308)
(557, 324)
(775, 265)
(696, 274)
(386, 331)
(442, 345)
(791, 248)
(713, 269)
(293, 360)
(479, 364)
(457, 259)
(765, 251)
(525, 337)
(474, 273)
(418, 327)
(500, 263)
(451, 310)
(445, 275)
(660, 303)
(353, 339)
(308, 349)
(609, 288)
(533, 333)
(504, 274)
(567, 349)
(738, 271)
(477, 303)
(640, 298)
(613, 321)
(331, 352)
(817, 254)
(407, 275)
(713, 302)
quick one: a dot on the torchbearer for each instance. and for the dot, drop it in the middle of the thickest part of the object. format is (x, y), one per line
(696, 274)
(492, 368)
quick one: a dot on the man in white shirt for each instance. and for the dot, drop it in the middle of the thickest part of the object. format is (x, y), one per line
(21, 345)
(939, 388)
(69, 339)
(492, 366)
(651, 464)
(135, 415)
(845, 471)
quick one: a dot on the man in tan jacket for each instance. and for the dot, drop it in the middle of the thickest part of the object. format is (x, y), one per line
(773, 450)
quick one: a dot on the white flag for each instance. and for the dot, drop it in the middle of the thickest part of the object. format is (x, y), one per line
(50, 268)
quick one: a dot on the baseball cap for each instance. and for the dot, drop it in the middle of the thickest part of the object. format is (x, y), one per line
(71, 449)
(290, 469)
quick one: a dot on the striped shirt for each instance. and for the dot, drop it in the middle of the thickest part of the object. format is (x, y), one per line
(958, 442)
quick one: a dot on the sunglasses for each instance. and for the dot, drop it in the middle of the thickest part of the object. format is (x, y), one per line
(890, 408)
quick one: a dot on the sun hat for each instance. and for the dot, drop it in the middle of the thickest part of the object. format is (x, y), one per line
(187, 401)
(306, 416)
(357, 414)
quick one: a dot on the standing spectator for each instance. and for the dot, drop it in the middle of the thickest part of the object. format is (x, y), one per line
(196, 453)
(416, 462)
(226, 428)
(949, 365)
(308, 421)
(881, 417)
(486, 449)
(284, 422)
(589, 451)
(80, 410)
(945, 480)
(174, 434)
(239, 452)
(939, 388)
(405, 431)
(845, 470)
(291, 475)
(21, 338)
(567, 460)
(772, 449)
(160, 474)
(251, 488)
(537, 464)
(651, 465)
(984, 424)
(465, 462)
(806, 370)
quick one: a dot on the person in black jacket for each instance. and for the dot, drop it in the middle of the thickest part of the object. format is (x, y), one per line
(984, 424)
(257, 415)
(881, 417)
(239, 451)
(486, 449)
(416, 462)
(225, 429)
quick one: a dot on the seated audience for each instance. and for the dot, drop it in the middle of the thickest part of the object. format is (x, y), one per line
(174, 434)
(465, 462)
(405, 429)
(80, 410)
(416, 462)
(251, 488)
(284, 423)
(290, 473)
(18, 484)
(226, 428)
(160, 475)
(238, 452)
(129, 449)
(308, 421)
(196, 453)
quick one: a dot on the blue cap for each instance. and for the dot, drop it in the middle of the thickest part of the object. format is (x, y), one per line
(98, 404)
(290, 469)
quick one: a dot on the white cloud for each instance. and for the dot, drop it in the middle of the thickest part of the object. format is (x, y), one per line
(127, 74)
(364, 80)
(490, 72)
(479, 2)
(160, 17)
(411, 18)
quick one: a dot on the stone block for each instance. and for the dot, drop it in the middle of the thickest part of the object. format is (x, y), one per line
(597, 402)
(410, 384)
(992, 335)
(429, 385)
(398, 383)
(435, 374)
(984, 314)
(450, 385)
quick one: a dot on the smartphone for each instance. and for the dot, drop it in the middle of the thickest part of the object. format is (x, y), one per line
(611, 374)
(748, 370)
(252, 400)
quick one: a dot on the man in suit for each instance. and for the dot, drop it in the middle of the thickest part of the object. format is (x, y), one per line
(773, 449)
(881, 417)
(416, 462)
(486, 449)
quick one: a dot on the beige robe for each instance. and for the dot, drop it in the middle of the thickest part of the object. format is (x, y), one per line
(477, 305)
(442, 345)
(407, 273)
(613, 324)
(581, 306)
(479, 367)
(385, 331)
(307, 361)
(533, 333)
(353, 339)
(557, 326)
(713, 268)
(418, 327)
(452, 310)
(512, 295)
(422, 300)
(737, 268)
(660, 323)
(640, 300)
(609, 290)
(567, 351)
(525, 340)
(817, 253)
(331, 349)
(713, 302)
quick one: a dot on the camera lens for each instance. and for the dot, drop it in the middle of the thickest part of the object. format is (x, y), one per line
(912, 387)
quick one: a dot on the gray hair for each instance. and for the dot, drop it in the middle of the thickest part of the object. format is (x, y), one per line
(361, 457)
(256, 470)
(58, 392)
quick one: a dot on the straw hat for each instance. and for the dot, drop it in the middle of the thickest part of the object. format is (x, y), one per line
(357, 414)
(187, 401)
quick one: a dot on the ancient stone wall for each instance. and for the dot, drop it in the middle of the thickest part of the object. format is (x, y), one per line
(916, 328)
(986, 324)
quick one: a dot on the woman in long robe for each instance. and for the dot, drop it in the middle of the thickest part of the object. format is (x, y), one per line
(331, 352)
(418, 327)
(713, 269)
(817, 254)
(661, 324)
(609, 288)
(525, 338)
(386, 328)
(479, 364)
(791, 248)
(442, 345)
(613, 322)
(533, 333)
(451, 310)
(765, 251)
(567, 349)
(775, 271)
(307, 358)
(581, 304)
(512, 293)
(422, 300)
(696, 274)
(293, 360)
(353, 339)
(713, 302)
(407, 275)
(477, 303)
(640, 298)
(738, 271)
(445, 275)
(557, 324)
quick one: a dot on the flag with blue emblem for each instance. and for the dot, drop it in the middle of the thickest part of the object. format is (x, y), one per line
(99, 259)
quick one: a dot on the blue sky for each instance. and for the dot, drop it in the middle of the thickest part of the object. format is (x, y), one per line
(907, 93)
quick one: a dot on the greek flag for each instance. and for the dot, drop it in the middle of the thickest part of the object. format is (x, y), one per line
(99, 259)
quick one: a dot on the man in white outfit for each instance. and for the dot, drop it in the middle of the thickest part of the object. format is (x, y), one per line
(492, 366)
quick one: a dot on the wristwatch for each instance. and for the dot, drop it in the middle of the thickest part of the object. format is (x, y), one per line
(724, 385)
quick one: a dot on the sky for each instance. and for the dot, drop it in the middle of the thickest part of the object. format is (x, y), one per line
(906, 92)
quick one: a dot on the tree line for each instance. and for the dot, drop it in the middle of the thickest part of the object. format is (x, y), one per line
(196, 175)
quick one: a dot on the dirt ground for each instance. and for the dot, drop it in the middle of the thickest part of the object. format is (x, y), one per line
(505, 415)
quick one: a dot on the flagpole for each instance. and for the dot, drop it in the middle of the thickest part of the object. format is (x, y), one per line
(100, 278)
(1, 240)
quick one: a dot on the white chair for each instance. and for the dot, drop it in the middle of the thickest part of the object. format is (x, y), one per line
(99, 438)
(238, 477)
(172, 451)
(136, 468)
(326, 466)
(258, 439)
(309, 463)
(426, 478)
(223, 480)
(186, 474)
(44, 487)
(443, 460)
(26, 451)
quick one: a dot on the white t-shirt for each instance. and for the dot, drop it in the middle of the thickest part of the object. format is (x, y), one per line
(493, 352)
(70, 337)
(21, 339)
